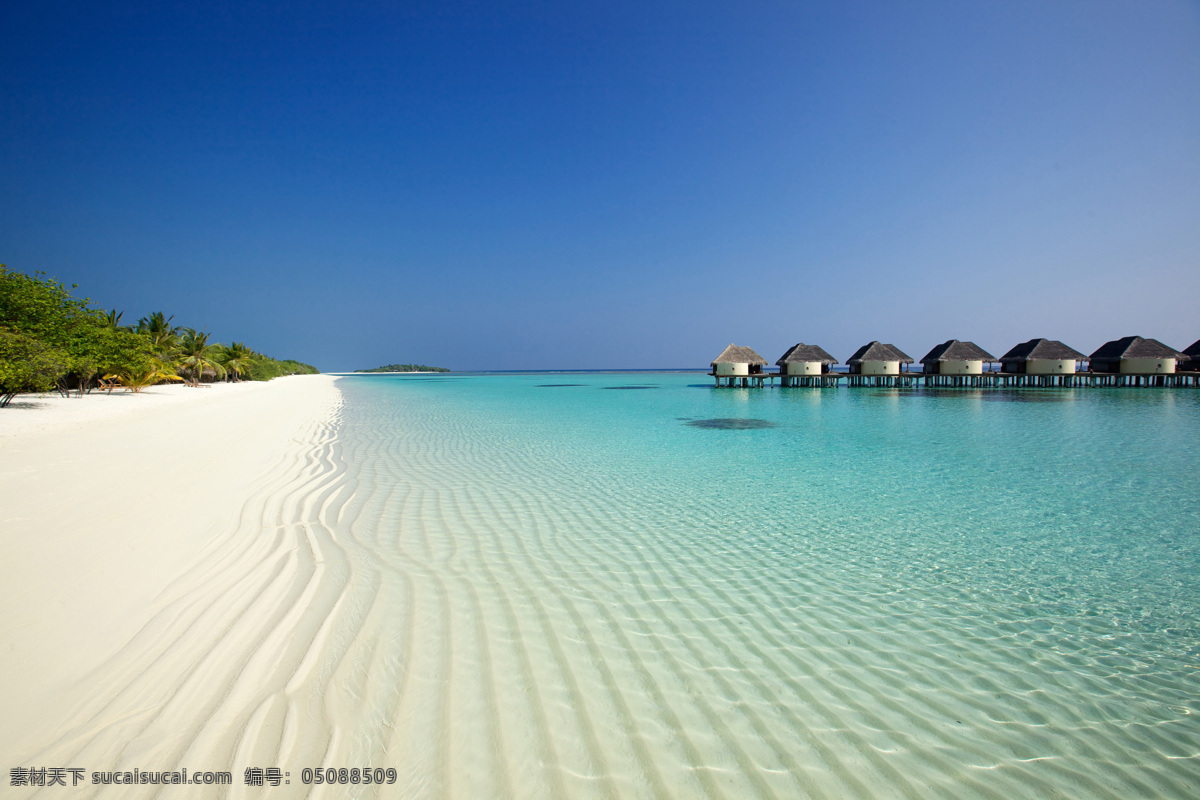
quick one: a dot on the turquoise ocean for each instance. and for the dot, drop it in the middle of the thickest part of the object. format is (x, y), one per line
(638, 585)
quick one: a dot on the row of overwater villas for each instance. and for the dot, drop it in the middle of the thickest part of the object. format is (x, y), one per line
(1124, 361)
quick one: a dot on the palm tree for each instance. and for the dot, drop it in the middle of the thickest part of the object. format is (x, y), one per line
(138, 378)
(197, 355)
(158, 327)
(236, 359)
(164, 338)
(114, 319)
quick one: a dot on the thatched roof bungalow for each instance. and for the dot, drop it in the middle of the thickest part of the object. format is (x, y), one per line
(1133, 355)
(876, 358)
(736, 360)
(956, 358)
(805, 359)
(1193, 354)
(1041, 357)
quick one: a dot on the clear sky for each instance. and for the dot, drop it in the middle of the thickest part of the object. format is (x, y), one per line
(610, 184)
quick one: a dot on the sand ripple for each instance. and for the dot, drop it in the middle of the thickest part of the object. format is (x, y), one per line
(498, 621)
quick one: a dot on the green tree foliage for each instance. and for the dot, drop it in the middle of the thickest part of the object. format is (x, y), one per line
(52, 340)
(38, 306)
(26, 365)
(99, 349)
(197, 356)
(41, 310)
(138, 378)
(164, 339)
(82, 341)
(404, 368)
(236, 358)
(264, 368)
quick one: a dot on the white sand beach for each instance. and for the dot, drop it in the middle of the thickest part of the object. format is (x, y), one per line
(490, 597)
(109, 504)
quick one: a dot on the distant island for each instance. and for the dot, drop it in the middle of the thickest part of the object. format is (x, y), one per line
(404, 368)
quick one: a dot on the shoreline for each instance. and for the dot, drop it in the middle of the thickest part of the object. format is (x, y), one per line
(502, 594)
(108, 502)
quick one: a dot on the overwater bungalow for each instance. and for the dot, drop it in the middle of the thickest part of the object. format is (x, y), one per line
(1193, 362)
(1134, 355)
(956, 358)
(1041, 357)
(803, 365)
(738, 364)
(876, 358)
(805, 359)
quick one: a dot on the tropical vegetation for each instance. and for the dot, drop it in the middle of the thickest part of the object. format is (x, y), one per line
(53, 341)
(404, 368)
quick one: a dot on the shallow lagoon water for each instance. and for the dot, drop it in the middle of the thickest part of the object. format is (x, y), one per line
(850, 593)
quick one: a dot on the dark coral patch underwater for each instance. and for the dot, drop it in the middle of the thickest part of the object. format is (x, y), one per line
(732, 424)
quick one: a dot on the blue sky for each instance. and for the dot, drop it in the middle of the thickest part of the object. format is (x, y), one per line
(596, 185)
